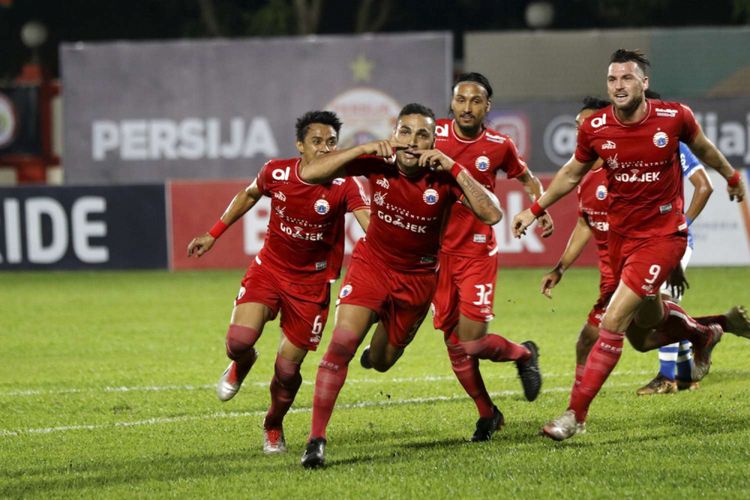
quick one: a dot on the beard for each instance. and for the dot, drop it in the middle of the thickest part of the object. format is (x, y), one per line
(469, 131)
(631, 107)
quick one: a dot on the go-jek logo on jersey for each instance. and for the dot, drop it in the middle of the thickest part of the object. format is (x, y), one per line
(601, 192)
(482, 163)
(430, 196)
(661, 139)
(346, 290)
(322, 207)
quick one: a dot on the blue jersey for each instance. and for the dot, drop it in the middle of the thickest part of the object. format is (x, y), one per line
(689, 164)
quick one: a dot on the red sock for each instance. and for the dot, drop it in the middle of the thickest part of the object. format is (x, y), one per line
(602, 359)
(331, 377)
(719, 319)
(284, 386)
(579, 375)
(467, 372)
(495, 348)
(678, 326)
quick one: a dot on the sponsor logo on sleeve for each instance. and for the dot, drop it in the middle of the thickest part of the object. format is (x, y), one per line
(346, 290)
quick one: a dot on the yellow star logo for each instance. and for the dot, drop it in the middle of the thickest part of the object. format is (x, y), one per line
(361, 68)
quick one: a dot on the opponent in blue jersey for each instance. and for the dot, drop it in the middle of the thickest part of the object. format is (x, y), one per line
(676, 360)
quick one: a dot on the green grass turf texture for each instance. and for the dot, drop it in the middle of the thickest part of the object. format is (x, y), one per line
(106, 390)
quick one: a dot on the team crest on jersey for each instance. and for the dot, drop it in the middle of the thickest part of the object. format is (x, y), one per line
(482, 163)
(661, 139)
(383, 183)
(601, 192)
(346, 290)
(430, 196)
(322, 207)
(279, 196)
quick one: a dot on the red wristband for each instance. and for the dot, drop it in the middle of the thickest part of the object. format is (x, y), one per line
(456, 169)
(218, 229)
(734, 180)
(537, 210)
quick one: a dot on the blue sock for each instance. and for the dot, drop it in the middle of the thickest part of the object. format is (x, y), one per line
(668, 360)
(685, 361)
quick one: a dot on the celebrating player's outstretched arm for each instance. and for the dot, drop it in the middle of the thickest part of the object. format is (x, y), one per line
(240, 204)
(710, 155)
(479, 199)
(330, 166)
(565, 180)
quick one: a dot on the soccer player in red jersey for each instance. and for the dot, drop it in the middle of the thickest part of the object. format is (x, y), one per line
(292, 272)
(463, 302)
(392, 276)
(593, 206)
(638, 140)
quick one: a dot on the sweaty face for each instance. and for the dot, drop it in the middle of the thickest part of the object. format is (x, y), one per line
(469, 106)
(416, 131)
(626, 84)
(320, 139)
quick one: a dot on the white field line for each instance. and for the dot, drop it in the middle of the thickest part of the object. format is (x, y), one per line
(203, 387)
(260, 413)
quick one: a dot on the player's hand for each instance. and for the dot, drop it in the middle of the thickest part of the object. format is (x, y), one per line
(737, 192)
(549, 281)
(384, 148)
(433, 158)
(522, 221)
(677, 282)
(200, 245)
(548, 227)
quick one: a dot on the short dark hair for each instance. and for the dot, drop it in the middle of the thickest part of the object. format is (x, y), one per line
(416, 109)
(652, 94)
(478, 78)
(590, 102)
(636, 56)
(324, 117)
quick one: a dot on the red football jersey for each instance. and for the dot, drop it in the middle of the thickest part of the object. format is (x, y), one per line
(306, 226)
(484, 156)
(407, 213)
(593, 205)
(643, 166)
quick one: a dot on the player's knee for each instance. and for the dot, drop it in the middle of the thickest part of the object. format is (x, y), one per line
(472, 347)
(240, 341)
(287, 372)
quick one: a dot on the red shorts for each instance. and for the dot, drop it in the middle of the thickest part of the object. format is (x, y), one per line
(466, 285)
(303, 303)
(607, 287)
(400, 299)
(644, 263)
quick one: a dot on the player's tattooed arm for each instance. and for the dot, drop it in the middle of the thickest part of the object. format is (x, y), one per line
(480, 200)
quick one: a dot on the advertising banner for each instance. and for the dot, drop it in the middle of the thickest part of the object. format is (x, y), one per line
(195, 207)
(83, 228)
(721, 233)
(150, 111)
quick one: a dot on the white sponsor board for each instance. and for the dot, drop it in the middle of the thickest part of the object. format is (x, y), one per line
(722, 231)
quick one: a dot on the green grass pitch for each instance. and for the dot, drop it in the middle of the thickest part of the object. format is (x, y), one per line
(106, 391)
